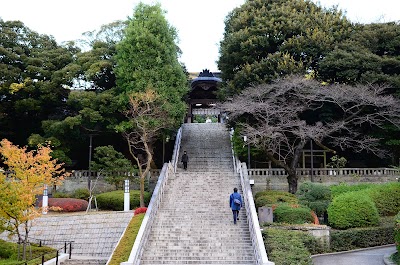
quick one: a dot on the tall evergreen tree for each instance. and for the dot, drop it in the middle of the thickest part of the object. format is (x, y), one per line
(265, 39)
(148, 57)
(152, 83)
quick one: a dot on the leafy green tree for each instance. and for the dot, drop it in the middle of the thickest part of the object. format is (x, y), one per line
(35, 75)
(98, 62)
(114, 164)
(152, 83)
(265, 39)
(370, 55)
(89, 113)
(92, 107)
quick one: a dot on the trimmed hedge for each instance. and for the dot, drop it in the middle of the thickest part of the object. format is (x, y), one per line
(273, 197)
(285, 247)
(386, 198)
(352, 209)
(355, 238)
(114, 200)
(66, 204)
(285, 213)
(315, 196)
(341, 188)
(397, 232)
(83, 194)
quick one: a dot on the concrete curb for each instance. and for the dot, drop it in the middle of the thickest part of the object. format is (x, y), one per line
(61, 258)
(354, 250)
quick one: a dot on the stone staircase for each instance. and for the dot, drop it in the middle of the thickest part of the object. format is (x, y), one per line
(194, 224)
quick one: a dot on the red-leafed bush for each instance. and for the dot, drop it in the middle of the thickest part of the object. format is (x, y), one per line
(316, 220)
(67, 204)
(140, 210)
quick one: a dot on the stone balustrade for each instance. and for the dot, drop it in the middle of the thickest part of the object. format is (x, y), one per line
(326, 172)
(276, 178)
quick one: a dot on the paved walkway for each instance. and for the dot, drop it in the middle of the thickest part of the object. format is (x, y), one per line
(94, 234)
(370, 256)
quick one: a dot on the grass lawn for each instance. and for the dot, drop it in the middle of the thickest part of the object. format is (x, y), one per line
(9, 253)
(124, 247)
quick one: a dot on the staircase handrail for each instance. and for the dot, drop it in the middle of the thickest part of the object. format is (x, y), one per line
(148, 220)
(233, 152)
(255, 232)
(175, 154)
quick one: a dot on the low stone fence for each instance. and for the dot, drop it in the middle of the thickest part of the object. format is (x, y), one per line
(276, 178)
(79, 179)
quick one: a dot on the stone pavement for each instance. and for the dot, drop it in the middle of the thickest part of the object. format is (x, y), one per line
(94, 234)
(368, 256)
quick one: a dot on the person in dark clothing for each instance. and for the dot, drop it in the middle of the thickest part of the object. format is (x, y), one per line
(235, 202)
(185, 160)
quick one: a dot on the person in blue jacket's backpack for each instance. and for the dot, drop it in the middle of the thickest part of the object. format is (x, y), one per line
(235, 202)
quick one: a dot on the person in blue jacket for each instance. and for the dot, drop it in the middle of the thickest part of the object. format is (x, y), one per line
(235, 202)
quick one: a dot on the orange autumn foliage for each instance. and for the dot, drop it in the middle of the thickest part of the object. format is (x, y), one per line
(27, 173)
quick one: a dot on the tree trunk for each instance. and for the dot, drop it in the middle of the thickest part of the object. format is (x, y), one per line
(142, 178)
(292, 181)
(25, 240)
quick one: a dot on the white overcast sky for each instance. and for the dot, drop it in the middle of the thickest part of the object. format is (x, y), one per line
(200, 23)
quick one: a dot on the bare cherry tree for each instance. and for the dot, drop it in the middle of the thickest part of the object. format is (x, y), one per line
(282, 117)
(146, 119)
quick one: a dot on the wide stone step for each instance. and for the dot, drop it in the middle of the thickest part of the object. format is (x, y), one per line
(196, 234)
(197, 218)
(189, 240)
(222, 219)
(85, 261)
(198, 258)
(165, 244)
(204, 248)
(199, 262)
(209, 251)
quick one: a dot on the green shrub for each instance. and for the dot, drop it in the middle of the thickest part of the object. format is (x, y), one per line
(82, 194)
(114, 200)
(61, 195)
(271, 197)
(7, 249)
(352, 209)
(355, 238)
(315, 196)
(397, 232)
(396, 258)
(284, 213)
(337, 190)
(386, 198)
(287, 247)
